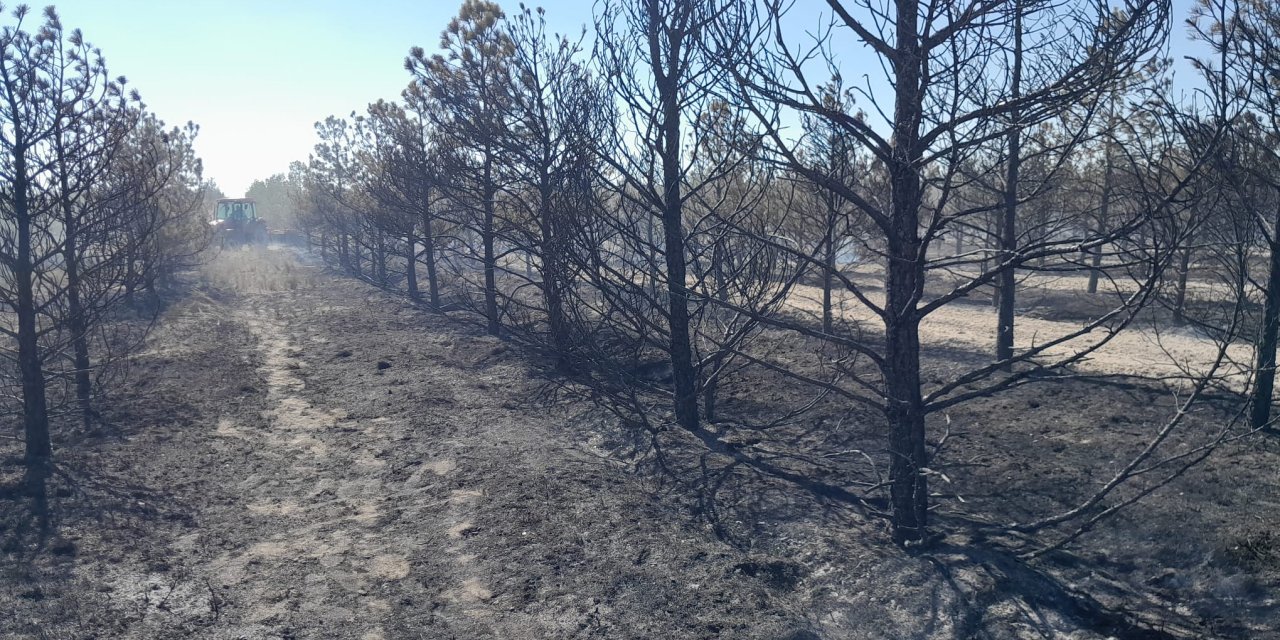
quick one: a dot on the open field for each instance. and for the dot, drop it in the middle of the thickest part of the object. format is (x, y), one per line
(1139, 351)
(299, 455)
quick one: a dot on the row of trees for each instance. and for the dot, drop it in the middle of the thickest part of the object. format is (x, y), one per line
(276, 198)
(97, 198)
(656, 211)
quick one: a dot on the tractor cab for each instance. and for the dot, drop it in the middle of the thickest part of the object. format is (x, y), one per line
(236, 222)
(241, 210)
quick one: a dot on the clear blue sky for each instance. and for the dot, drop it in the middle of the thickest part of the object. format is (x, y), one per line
(257, 74)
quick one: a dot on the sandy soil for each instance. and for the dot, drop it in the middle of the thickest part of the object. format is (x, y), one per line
(1140, 350)
(301, 456)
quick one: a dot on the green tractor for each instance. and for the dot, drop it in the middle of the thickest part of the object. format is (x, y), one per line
(236, 223)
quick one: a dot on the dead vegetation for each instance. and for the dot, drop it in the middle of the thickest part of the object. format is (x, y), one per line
(250, 270)
(366, 467)
(988, 353)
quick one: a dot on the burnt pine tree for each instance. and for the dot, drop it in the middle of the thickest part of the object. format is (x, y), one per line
(553, 131)
(331, 176)
(154, 208)
(1007, 286)
(938, 114)
(404, 181)
(391, 134)
(730, 190)
(391, 216)
(421, 178)
(30, 122)
(651, 55)
(1257, 62)
(73, 221)
(84, 149)
(469, 83)
(834, 154)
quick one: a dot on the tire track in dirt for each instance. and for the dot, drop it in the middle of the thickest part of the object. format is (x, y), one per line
(323, 529)
(361, 514)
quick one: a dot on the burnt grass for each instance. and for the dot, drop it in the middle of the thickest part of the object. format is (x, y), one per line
(297, 454)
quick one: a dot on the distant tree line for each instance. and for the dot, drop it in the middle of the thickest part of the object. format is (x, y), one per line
(662, 210)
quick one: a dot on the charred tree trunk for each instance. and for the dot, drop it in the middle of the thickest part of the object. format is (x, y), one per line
(711, 369)
(39, 446)
(554, 277)
(411, 266)
(651, 258)
(904, 406)
(1104, 211)
(1008, 228)
(1095, 268)
(76, 320)
(1180, 294)
(557, 323)
(828, 267)
(683, 376)
(490, 261)
(904, 282)
(80, 350)
(380, 259)
(130, 276)
(429, 253)
(357, 256)
(1264, 386)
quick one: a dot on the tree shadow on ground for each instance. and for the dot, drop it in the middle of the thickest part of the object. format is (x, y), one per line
(819, 476)
(749, 504)
(748, 485)
(83, 494)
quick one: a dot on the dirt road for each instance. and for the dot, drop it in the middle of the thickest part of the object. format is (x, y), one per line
(397, 481)
(302, 456)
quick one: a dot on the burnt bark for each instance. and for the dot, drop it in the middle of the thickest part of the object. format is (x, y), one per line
(429, 252)
(711, 369)
(1009, 223)
(39, 446)
(667, 77)
(1180, 292)
(828, 265)
(487, 238)
(76, 319)
(1104, 211)
(904, 283)
(1264, 384)
(554, 275)
(411, 267)
(380, 259)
